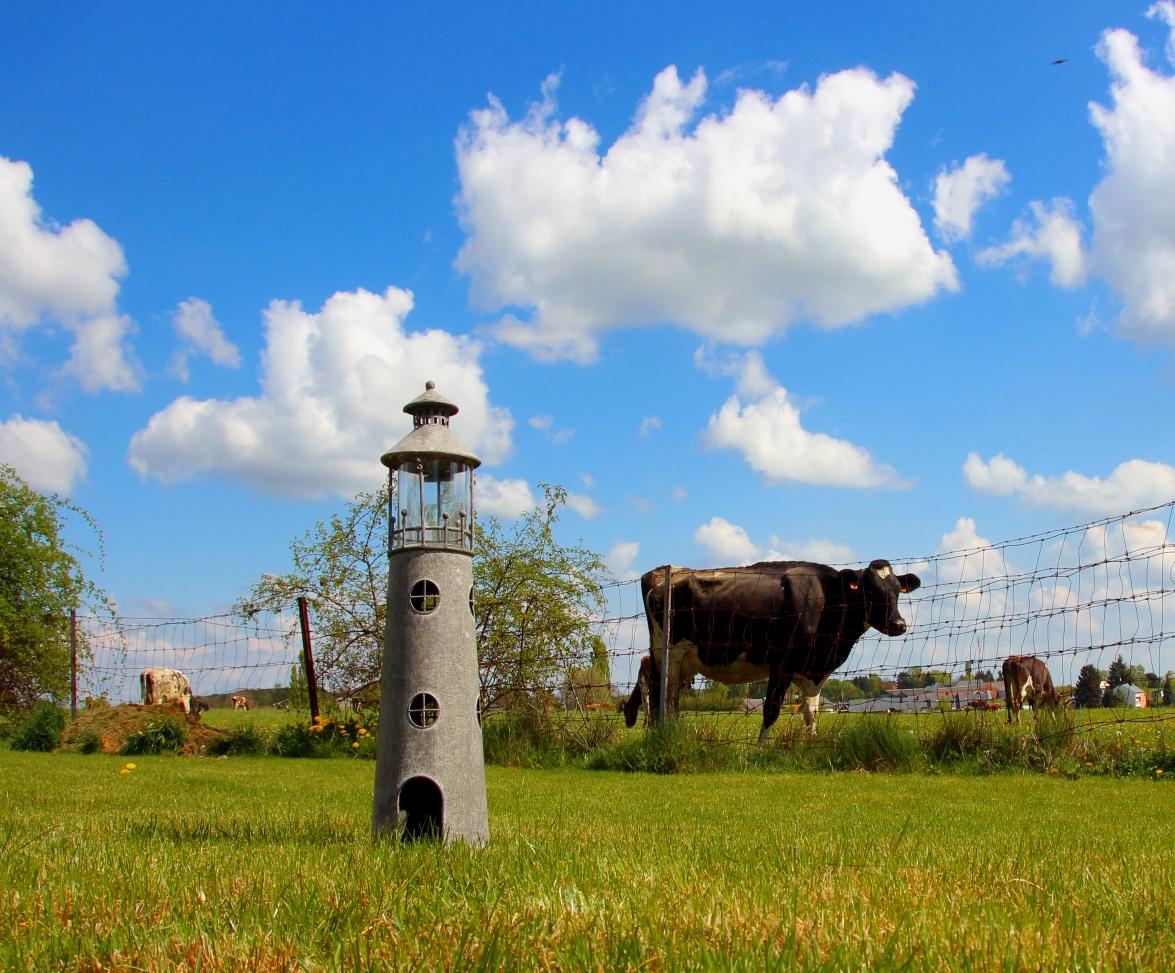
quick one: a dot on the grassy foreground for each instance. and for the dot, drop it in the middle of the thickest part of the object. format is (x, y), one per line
(263, 864)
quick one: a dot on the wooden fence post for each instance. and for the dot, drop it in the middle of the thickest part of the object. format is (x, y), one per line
(665, 644)
(308, 657)
(73, 664)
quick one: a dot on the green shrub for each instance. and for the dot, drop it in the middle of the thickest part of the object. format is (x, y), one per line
(875, 743)
(296, 740)
(1054, 731)
(41, 730)
(325, 737)
(243, 741)
(959, 737)
(679, 747)
(522, 738)
(88, 741)
(163, 734)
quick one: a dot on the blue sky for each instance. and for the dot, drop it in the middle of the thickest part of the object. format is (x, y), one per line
(775, 280)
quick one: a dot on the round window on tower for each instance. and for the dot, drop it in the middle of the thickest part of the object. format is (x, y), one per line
(424, 710)
(425, 597)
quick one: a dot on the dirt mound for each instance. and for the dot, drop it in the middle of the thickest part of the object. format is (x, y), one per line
(114, 724)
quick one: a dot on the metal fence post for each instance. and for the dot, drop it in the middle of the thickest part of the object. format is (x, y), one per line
(665, 644)
(308, 657)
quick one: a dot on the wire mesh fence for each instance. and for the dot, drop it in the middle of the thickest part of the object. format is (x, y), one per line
(1078, 596)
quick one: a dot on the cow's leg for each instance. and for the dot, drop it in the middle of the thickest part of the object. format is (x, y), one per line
(811, 704)
(777, 683)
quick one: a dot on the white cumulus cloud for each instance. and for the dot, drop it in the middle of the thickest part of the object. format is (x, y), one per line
(736, 225)
(1133, 207)
(1051, 233)
(200, 333)
(1130, 486)
(508, 499)
(649, 425)
(768, 433)
(621, 557)
(48, 458)
(584, 505)
(62, 275)
(726, 541)
(960, 190)
(818, 549)
(333, 386)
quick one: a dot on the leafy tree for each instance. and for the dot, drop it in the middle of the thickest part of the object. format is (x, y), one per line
(41, 581)
(341, 568)
(1119, 673)
(299, 695)
(1087, 691)
(869, 685)
(533, 598)
(985, 675)
(841, 690)
(1169, 689)
(591, 685)
(911, 678)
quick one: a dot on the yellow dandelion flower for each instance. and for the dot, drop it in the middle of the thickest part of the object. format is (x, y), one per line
(355, 746)
(124, 771)
(129, 766)
(1158, 771)
(318, 719)
(363, 731)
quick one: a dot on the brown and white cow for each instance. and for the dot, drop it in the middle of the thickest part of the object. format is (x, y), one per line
(783, 621)
(158, 686)
(240, 702)
(1027, 680)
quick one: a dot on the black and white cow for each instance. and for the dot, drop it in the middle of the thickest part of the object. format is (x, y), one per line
(1027, 680)
(783, 621)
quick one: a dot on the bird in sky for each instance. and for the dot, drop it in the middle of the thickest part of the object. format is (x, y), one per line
(1060, 60)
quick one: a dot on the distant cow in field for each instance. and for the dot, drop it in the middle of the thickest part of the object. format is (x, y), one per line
(240, 702)
(159, 686)
(200, 705)
(783, 621)
(1027, 680)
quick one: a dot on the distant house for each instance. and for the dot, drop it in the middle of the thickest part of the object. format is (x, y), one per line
(1129, 696)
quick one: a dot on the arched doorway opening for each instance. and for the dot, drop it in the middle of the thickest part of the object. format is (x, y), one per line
(423, 808)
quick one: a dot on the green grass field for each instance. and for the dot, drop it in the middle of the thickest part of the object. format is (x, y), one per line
(266, 864)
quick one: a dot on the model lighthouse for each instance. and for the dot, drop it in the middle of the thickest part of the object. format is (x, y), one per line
(430, 766)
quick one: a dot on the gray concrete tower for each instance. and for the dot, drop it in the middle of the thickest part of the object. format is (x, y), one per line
(430, 766)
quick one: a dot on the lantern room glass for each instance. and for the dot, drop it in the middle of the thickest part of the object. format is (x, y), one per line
(432, 504)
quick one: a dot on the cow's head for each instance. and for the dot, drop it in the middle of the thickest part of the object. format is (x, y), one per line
(879, 588)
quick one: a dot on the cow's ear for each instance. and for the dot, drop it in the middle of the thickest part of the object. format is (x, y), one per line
(909, 582)
(851, 579)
